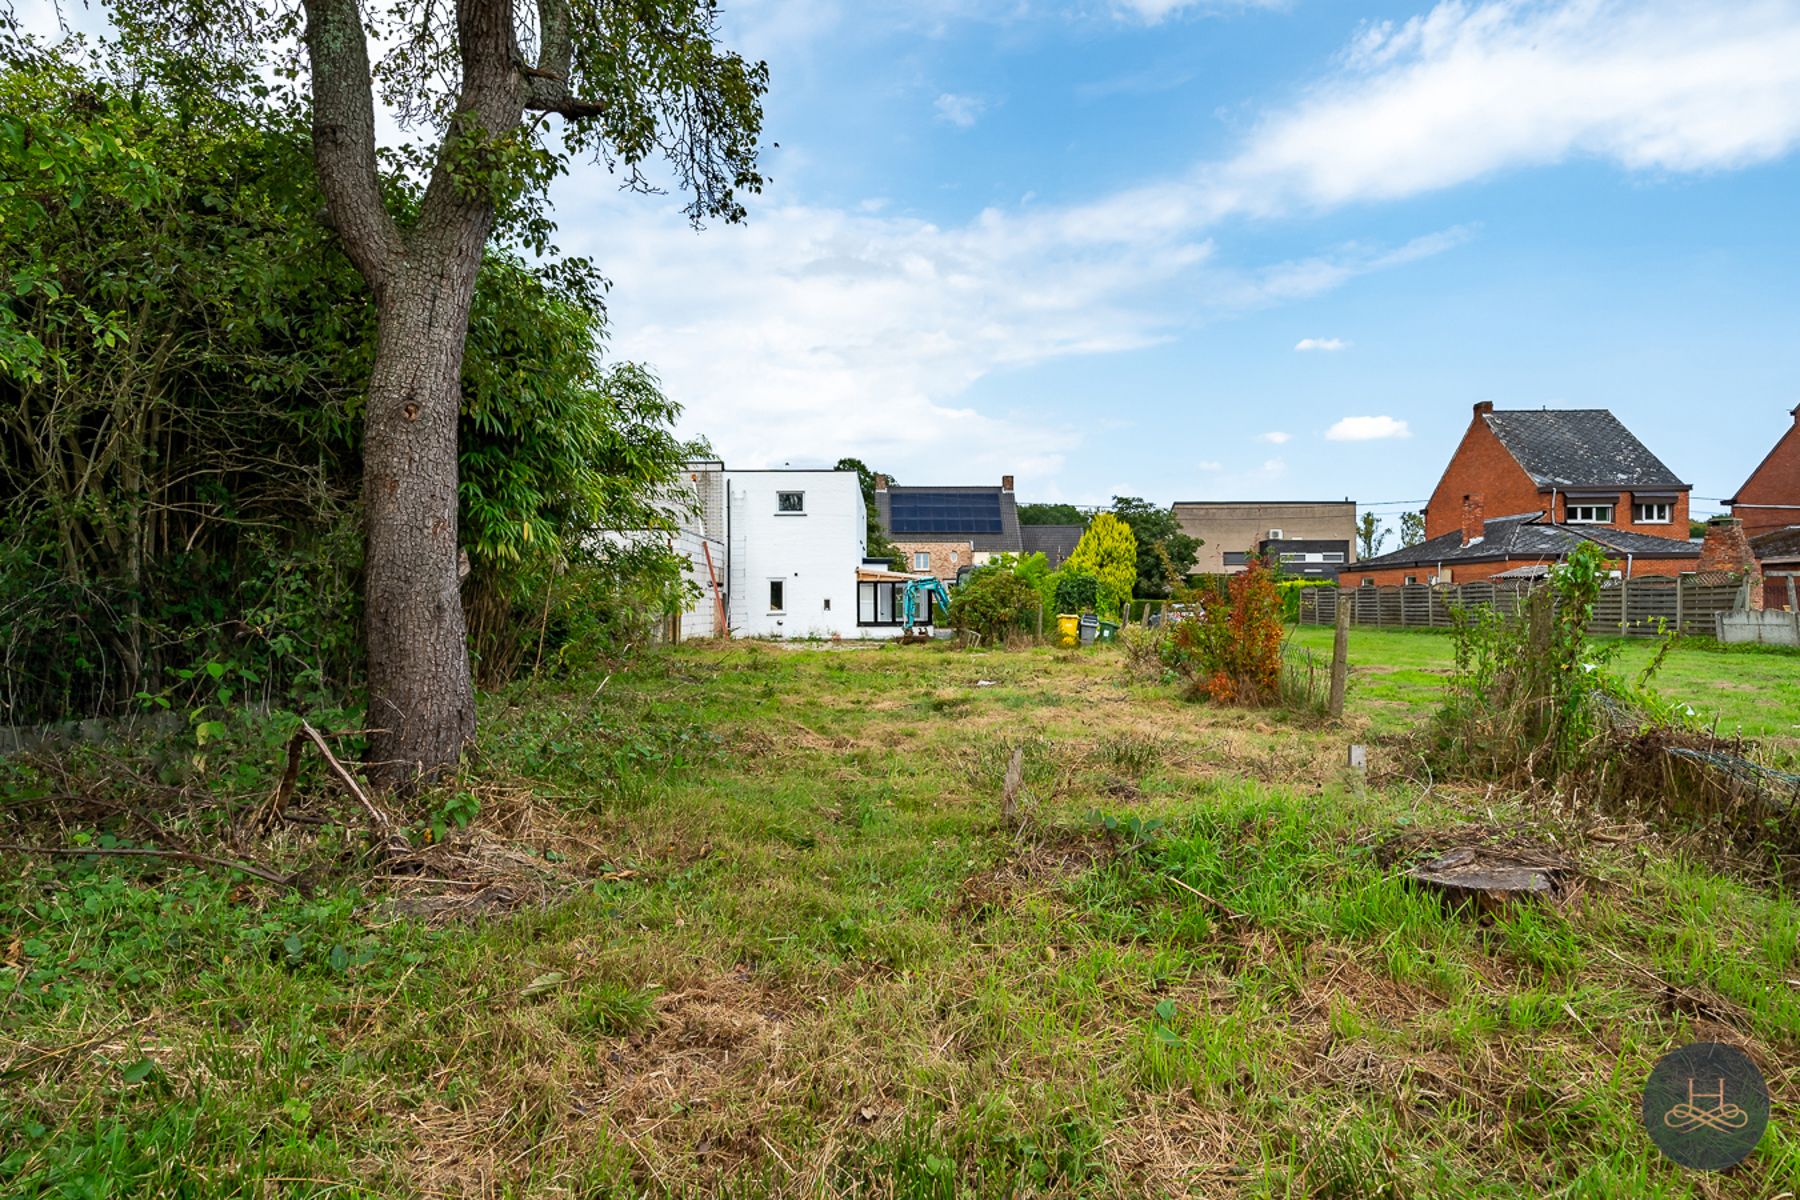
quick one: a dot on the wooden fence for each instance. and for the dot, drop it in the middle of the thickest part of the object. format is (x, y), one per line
(1634, 607)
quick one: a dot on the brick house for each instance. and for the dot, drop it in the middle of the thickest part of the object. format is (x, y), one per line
(1574, 467)
(941, 530)
(1770, 498)
(1518, 545)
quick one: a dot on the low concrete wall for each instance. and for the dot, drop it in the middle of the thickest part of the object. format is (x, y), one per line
(1762, 627)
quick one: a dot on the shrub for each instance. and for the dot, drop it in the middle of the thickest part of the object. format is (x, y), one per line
(1076, 591)
(1231, 651)
(993, 602)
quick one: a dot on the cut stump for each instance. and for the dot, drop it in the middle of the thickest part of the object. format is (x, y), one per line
(1490, 878)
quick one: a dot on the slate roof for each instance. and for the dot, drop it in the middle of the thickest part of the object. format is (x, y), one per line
(968, 499)
(1527, 536)
(1056, 542)
(1777, 545)
(1567, 448)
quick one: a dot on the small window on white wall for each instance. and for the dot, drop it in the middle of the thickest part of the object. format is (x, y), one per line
(921, 560)
(790, 502)
(777, 589)
(828, 604)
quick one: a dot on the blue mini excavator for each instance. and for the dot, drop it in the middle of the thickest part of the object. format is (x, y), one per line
(909, 604)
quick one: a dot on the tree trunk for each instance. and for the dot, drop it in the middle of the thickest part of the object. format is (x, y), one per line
(421, 703)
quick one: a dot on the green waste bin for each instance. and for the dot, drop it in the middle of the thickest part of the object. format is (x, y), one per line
(1108, 631)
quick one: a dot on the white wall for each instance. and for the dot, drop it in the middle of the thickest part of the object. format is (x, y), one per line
(814, 553)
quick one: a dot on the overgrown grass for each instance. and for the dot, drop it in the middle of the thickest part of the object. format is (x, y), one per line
(816, 962)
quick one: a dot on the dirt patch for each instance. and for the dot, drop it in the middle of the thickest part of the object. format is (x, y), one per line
(1034, 867)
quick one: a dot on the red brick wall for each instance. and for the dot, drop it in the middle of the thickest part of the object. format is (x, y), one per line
(1476, 572)
(1480, 464)
(1775, 481)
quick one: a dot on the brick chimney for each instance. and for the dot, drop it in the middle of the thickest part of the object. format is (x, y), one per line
(1006, 483)
(1726, 548)
(881, 483)
(1474, 526)
(1483, 406)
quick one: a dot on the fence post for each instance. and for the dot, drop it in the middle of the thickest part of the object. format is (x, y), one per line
(1340, 661)
(1681, 586)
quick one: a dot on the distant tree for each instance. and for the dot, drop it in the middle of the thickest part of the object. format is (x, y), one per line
(1412, 529)
(1370, 536)
(1050, 514)
(877, 538)
(1108, 552)
(1158, 536)
(1696, 529)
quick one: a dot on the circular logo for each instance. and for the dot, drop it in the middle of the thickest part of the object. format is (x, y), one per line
(1706, 1105)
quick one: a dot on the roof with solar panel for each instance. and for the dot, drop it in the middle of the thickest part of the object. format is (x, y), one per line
(987, 517)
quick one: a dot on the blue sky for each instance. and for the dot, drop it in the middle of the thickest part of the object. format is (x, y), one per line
(1080, 242)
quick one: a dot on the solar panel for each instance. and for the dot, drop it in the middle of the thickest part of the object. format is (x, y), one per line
(944, 512)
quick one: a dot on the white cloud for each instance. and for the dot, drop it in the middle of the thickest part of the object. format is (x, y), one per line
(959, 110)
(1154, 11)
(1211, 465)
(1275, 437)
(1327, 345)
(1367, 429)
(816, 328)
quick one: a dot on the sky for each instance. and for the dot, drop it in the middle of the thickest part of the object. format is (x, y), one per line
(1204, 249)
(1232, 250)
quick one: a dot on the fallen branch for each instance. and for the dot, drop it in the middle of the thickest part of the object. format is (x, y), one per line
(1223, 909)
(148, 852)
(375, 814)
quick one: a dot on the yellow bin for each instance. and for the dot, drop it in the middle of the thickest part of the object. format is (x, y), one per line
(1068, 629)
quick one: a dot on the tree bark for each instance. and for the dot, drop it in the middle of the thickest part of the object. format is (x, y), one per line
(421, 700)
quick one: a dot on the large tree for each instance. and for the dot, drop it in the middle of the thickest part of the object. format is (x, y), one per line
(1162, 546)
(475, 81)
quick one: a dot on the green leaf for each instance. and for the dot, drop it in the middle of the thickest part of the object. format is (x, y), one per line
(548, 981)
(138, 1071)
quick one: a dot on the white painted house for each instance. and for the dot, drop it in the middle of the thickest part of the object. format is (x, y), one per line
(780, 552)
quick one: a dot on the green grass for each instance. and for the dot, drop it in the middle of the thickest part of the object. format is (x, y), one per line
(807, 959)
(1398, 676)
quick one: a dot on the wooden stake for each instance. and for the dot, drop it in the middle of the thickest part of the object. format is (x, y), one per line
(1340, 658)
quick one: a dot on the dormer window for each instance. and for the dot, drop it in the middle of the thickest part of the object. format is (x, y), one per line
(1652, 514)
(1590, 514)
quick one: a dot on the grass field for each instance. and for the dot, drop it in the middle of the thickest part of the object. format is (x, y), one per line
(746, 921)
(1399, 675)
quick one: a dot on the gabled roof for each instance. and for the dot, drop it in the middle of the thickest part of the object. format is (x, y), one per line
(986, 517)
(1791, 431)
(1530, 538)
(1579, 447)
(1055, 542)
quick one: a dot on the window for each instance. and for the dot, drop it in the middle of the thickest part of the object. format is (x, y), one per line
(1368, 581)
(1653, 514)
(1291, 557)
(1331, 556)
(1237, 558)
(1590, 514)
(776, 588)
(884, 603)
(1412, 579)
(790, 502)
(921, 560)
(828, 604)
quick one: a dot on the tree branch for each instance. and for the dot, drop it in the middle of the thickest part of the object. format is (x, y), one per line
(548, 82)
(344, 138)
